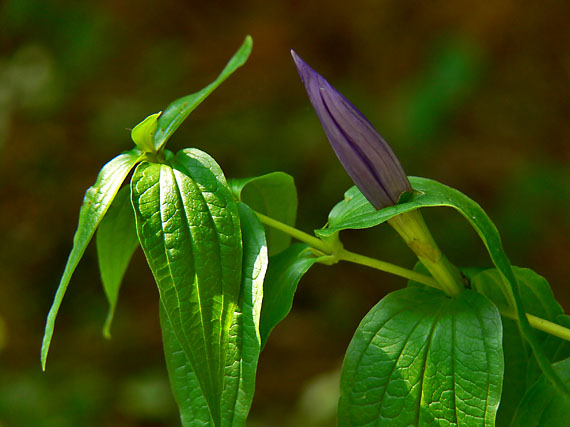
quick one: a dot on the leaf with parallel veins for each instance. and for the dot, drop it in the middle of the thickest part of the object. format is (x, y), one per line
(188, 226)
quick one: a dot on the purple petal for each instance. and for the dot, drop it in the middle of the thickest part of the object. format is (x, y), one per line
(365, 155)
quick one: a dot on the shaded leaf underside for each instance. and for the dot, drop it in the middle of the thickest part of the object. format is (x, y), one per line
(97, 200)
(116, 240)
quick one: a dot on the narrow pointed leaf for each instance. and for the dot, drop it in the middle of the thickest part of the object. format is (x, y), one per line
(188, 226)
(542, 405)
(176, 112)
(422, 358)
(355, 212)
(274, 195)
(283, 275)
(97, 200)
(244, 344)
(117, 241)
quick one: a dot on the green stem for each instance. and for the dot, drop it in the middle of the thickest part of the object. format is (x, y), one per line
(540, 324)
(413, 229)
(341, 254)
(296, 233)
(345, 255)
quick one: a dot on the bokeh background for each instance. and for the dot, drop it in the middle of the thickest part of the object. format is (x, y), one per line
(474, 94)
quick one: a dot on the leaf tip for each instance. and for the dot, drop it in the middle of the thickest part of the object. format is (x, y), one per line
(107, 326)
(43, 354)
(245, 49)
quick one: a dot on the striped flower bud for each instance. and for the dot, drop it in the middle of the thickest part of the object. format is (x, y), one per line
(364, 154)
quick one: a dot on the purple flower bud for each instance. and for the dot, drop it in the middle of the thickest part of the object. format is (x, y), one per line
(362, 151)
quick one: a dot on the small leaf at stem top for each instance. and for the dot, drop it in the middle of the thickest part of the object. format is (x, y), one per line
(143, 133)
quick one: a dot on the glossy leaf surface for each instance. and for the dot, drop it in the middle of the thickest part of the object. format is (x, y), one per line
(143, 133)
(97, 200)
(188, 226)
(244, 343)
(173, 116)
(283, 275)
(422, 358)
(355, 212)
(274, 195)
(117, 241)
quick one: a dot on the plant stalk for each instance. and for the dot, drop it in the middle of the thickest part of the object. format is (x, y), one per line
(342, 254)
(413, 229)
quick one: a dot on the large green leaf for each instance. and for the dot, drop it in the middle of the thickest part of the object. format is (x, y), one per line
(543, 405)
(188, 226)
(283, 275)
(244, 344)
(116, 243)
(422, 358)
(97, 200)
(355, 212)
(177, 111)
(274, 195)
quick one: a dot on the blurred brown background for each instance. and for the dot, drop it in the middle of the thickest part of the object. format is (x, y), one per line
(474, 94)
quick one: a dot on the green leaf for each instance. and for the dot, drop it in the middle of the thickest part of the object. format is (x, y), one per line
(143, 133)
(189, 229)
(535, 292)
(97, 200)
(521, 369)
(244, 344)
(537, 299)
(355, 212)
(117, 241)
(274, 195)
(187, 391)
(543, 405)
(556, 349)
(422, 358)
(283, 275)
(176, 112)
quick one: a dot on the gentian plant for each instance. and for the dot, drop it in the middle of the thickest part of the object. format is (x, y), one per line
(456, 346)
